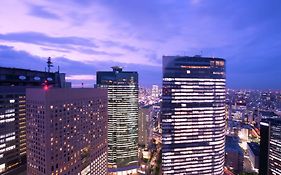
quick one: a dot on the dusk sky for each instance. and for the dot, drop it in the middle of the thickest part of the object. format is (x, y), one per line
(85, 36)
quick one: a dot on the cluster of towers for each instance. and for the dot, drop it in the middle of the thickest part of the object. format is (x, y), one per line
(49, 128)
(59, 130)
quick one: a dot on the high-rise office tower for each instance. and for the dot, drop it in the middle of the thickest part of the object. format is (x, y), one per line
(122, 89)
(270, 147)
(13, 83)
(12, 129)
(143, 125)
(193, 115)
(66, 131)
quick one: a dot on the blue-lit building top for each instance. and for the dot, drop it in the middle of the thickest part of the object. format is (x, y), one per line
(270, 147)
(193, 115)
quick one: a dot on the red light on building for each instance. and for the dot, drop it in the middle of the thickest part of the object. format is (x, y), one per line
(46, 87)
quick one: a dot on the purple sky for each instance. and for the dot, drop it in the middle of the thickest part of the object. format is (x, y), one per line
(83, 36)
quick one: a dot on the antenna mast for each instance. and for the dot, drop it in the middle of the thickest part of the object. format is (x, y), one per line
(49, 64)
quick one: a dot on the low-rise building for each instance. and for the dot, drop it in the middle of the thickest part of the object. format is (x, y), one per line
(233, 154)
(254, 153)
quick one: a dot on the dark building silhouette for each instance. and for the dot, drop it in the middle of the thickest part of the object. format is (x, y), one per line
(145, 113)
(25, 77)
(254, 153)
(193, 115)
(233, 154)
(270, 147)
(122, 89)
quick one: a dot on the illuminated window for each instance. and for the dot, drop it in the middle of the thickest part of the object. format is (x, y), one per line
(219, 63)
(2, 167)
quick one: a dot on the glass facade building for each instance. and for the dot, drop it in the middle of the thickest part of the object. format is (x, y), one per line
(270, 146)
(193, 115)
(122, 89)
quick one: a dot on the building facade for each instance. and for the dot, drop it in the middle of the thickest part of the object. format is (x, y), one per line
(143, 125)
(193, 115)
(13, 84)
(31, 78)
(66, 131)
(254, 153)
(234, 155)
(270, 148)
(12, 128)
(122, 89)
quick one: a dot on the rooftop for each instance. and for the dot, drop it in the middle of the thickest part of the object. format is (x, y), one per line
(13, 69)
(231, 144)
(255, 148)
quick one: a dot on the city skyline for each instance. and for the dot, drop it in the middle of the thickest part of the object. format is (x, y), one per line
(130, 87)
(83, 37)
(193, 99)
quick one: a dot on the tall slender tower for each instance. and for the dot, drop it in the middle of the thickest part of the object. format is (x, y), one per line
(193, 115)
(144, 117)
(122, 89)
(270, 147)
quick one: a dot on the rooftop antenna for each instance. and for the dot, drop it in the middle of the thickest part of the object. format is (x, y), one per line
(117, 69)
(49, 64)
(58, 69)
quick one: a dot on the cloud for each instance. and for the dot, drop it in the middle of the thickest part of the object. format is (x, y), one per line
(195, 2)
(20, 59)
(43, 39)
(95, 52)
(42, 12)
(78, 48)
(94, 35)
(81, 77)
(55, 49)
(77, 72)
(109, 43)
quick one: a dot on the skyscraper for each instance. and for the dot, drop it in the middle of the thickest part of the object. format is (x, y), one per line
(12, 129)
(270, 147)
(13, 84)
(143, 125)
(193, 115)
(122, 89)
(66, 131)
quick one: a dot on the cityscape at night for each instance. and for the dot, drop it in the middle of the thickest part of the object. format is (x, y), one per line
(127, 87)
